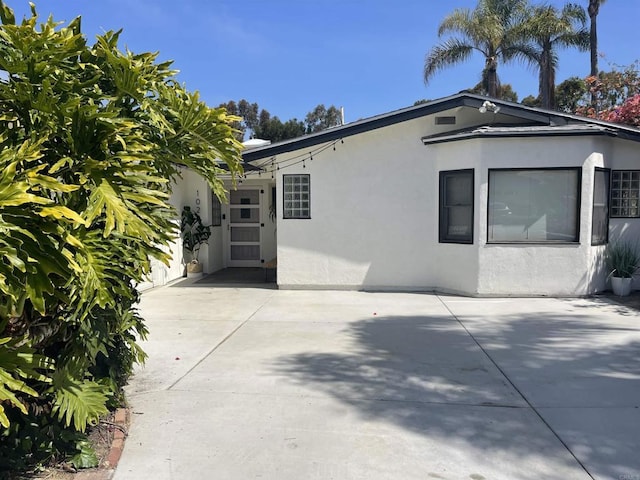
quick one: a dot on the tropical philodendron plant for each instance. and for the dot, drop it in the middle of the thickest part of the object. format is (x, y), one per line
(194, 234)
(91, 138)
(623, 259)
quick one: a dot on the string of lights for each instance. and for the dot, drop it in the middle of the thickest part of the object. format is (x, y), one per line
(272, 165)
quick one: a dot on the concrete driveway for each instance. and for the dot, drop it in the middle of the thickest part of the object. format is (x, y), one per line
(268, 384)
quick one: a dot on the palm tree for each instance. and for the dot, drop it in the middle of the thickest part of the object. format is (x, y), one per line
(550, 29)
(594, 10)
(490, 29)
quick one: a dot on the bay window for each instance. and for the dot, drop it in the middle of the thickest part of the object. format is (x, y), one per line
(533, 205)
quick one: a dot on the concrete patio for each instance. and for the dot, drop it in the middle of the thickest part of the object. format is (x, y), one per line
(257, 383)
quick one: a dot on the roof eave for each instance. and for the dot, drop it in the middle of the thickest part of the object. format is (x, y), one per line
(546, 133)
(533, 114)
(355, 128)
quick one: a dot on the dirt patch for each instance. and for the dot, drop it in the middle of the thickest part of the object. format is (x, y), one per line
(107, 439)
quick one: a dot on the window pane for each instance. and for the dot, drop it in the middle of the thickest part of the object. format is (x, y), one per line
(459, 190)
(245, 234)
(459, 224)
(533, 205)
(296, 196)
(600, 219)
(244, 215)
(216, 211)
(456, 206)
(245, 252)
(625, 190)
(244, 197)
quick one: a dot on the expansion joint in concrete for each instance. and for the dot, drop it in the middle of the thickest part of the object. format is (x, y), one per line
(220, 343)
(513, 385)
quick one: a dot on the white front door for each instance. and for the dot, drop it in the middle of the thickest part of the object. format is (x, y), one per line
(244, 228)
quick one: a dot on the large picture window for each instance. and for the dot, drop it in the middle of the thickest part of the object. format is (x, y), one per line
(534, 205)
(625, 193)
(456, 206)
(600, 219)
(297, 199)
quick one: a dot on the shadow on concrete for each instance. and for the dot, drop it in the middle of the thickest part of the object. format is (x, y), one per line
(237, 278)
(627, 306)
(428, 376)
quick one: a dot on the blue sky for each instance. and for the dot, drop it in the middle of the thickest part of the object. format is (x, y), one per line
(290, 55)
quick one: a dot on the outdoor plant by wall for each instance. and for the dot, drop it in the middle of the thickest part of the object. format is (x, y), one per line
(90, 138)
(623, 261)
(194, 235)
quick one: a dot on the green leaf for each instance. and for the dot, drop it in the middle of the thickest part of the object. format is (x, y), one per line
(60, 212)
(18, 362)
(86, 456)
(105, 198)
(6, 15)
(80, 402)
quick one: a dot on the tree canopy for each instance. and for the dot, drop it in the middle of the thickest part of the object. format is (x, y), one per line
(492, 29)
(548, 29)
(259, 123)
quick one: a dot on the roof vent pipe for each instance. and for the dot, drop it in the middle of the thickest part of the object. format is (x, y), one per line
(341, 115)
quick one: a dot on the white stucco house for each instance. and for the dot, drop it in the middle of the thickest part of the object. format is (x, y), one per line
(456, 195)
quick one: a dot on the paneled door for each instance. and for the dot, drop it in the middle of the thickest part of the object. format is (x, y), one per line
(244, 228)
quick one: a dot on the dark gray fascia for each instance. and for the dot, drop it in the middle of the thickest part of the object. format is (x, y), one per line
(532, 114)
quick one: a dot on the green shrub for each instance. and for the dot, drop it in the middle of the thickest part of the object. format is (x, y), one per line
(622, 259)
(90, 140)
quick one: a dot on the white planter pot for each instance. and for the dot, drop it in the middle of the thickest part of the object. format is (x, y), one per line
(621, 286)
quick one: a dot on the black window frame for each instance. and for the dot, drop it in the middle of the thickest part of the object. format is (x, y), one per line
(284, 192)
(216, 211)
(443, 221)
(612, 194)
(578, 170)
(601, 239)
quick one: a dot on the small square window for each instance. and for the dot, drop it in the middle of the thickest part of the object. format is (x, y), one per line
(296, 203)
(625, 190)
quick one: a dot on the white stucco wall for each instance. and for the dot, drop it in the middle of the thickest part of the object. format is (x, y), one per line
(374, 216)
(363, 230)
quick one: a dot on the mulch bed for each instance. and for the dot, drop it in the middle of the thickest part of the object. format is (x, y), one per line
(107, 438)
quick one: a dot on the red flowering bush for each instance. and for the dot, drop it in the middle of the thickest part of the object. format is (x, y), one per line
(627, 113)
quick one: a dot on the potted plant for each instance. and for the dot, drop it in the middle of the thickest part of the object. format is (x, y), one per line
(194, 234)
(623, 261)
